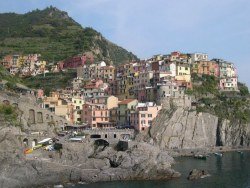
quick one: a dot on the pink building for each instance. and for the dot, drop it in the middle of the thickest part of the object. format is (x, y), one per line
(40, 93)
(96, 111)
(143, 116)
(229, 84)
(94, 114)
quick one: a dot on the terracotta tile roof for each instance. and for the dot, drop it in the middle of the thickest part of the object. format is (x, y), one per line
(126, 101)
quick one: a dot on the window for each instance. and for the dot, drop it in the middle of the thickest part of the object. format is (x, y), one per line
(78, 107)
(142, 115)
(79, 112)
(149, 115)
(94, 119)
(79, 119)
(74, 101)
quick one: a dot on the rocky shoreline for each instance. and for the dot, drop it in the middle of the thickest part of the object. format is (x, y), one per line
(83, 162)
(204, 151)
(80, 162)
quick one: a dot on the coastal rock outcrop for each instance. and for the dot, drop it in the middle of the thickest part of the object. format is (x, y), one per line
(187, 129)
(79, 162)
(196, 174)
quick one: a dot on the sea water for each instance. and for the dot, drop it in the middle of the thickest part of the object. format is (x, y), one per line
(230, 170)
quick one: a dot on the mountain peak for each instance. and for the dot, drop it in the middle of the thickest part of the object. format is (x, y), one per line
(56, 36)
(53, 11)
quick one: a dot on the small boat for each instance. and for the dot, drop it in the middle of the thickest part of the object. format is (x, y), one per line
(240, 152)
(58, 186)
(218, 154)
(37, 146)
(204, 157)
(206, 175)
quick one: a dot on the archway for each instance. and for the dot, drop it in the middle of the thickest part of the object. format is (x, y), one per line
(95, 136)
(31, 116)
(26, 142)
(101, 142)
(6, 102)
(39, 117)
(15, 105)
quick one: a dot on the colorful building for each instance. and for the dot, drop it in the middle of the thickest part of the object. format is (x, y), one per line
(199, 57)
(141, 118)
(208, 68)
(96, 111)
(229, 84)
(183, 72)
(123, 110)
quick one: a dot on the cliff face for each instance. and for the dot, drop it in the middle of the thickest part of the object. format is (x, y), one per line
(185, 129)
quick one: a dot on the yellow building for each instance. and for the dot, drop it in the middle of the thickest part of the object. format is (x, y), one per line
(77, 109)
(21, 61)
(183, 72)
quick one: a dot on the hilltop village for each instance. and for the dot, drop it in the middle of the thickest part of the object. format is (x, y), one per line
(128, 95)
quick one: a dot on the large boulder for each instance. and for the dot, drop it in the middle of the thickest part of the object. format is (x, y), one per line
(196, 174)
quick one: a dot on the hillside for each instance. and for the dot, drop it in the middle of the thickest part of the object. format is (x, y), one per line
(51, 81)
(234, 106)
(54, 35)
(9, 80)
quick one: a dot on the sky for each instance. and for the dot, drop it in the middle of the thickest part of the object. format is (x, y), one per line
(220, 28)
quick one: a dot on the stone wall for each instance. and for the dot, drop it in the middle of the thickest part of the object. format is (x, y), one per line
(111, 135)
(32, 117)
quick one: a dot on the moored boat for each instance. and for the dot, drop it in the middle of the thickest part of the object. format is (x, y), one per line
(218, 154)
(204, 157)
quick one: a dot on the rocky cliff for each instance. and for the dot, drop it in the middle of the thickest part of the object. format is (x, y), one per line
(78, 162)
(186, 129)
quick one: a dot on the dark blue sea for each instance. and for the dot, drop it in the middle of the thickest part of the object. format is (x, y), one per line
(231, 170)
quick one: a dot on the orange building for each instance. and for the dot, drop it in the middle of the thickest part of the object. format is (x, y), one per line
(208, 68)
